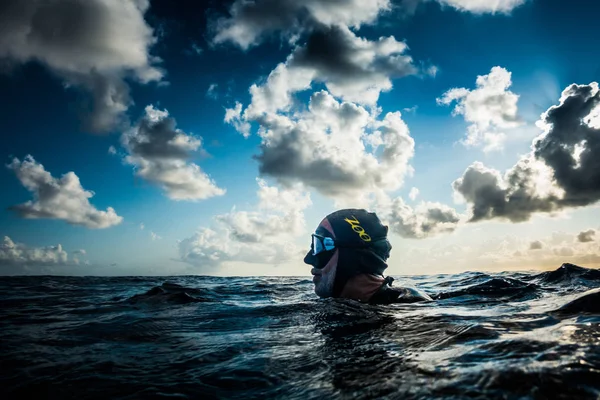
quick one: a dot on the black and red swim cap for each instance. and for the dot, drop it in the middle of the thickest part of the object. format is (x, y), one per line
(361, 240)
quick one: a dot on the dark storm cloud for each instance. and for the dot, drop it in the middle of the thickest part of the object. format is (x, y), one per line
(569, 148)
(93, 44)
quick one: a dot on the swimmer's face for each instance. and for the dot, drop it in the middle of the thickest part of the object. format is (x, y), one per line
(324, 264)
(323, 278)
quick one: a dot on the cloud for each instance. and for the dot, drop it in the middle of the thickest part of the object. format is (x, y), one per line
(352, 68)
(112, 150)
(261, 236)
(414, 192)
(488, 108)
(63, 198)
(154, 236)
(570, 146)
(561, 171)
(337, 143)
(233, 116)
(160, 153)
(426, 220)
(484, 6)
(336, 148)
(432, 70)
(18, 254)
(536, 245)
(564, 252)
(80, 251)
(211, 92)
(515, 197)
(250, 22)
(93, 45)
(500, 253)
(194, 49)
(586, 236)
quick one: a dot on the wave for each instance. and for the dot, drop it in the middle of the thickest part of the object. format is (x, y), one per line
(171, 293)
(495, 287)
(586, 303)
(568, 273)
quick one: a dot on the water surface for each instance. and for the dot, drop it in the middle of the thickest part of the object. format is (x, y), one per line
(486, 336)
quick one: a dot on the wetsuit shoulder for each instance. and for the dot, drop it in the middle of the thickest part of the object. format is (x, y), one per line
(387, 294)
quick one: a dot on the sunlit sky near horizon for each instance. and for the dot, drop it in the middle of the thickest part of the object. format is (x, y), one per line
(158, 137)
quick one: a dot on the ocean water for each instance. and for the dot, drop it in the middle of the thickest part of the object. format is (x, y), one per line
(486, 336)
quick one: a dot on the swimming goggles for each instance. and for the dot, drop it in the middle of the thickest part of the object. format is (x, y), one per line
(321, 244)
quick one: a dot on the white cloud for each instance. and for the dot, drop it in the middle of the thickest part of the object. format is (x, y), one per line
(94, 45)
(233, 116)
(484, 6)
(433, 71)
(112, 150)
(426, 220)
(250, 22)
(261, 236)
(142, 226)
(80, 251)
(63, 198)
(160, 152)
(414, 192)
(337, 148)
(12, 254)
(338, 144)
(489, 108)
(154, 236)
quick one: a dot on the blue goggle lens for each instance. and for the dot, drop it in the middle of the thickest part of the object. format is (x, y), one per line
(321, 244)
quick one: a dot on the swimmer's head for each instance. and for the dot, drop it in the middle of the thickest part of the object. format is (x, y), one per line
(347, 243)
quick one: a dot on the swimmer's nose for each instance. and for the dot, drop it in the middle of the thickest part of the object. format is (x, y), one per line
(309, 258)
